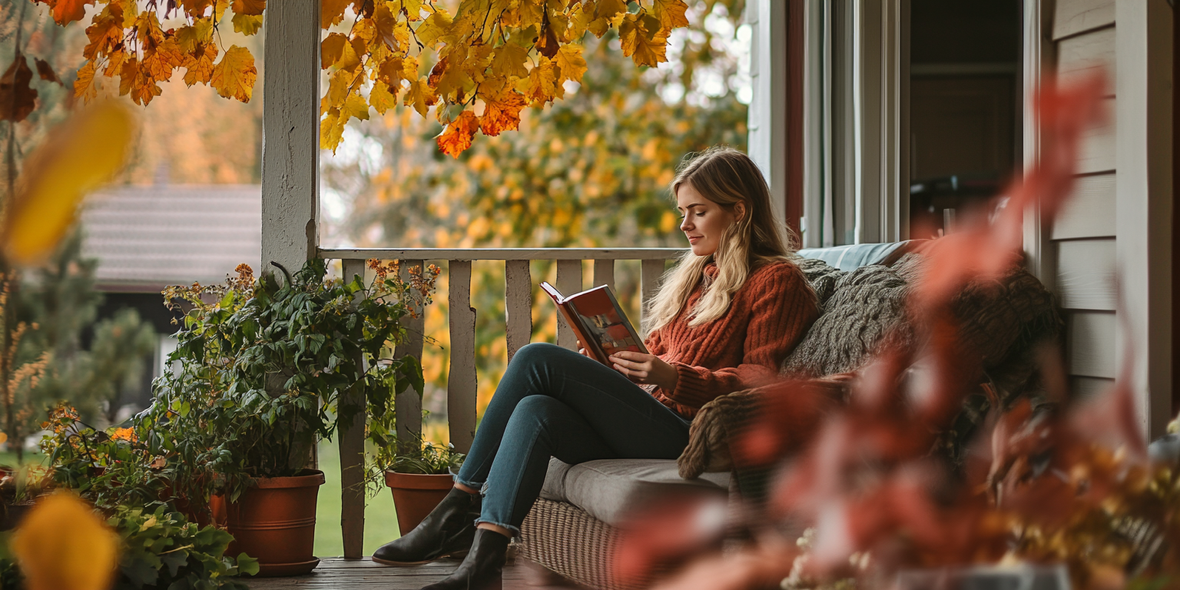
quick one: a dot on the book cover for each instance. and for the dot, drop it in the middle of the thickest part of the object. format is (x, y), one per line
(598, 321)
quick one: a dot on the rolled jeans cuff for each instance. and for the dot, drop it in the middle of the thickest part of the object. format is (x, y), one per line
(512, 529)
(482, 487)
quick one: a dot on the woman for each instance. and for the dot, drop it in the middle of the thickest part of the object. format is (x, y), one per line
(723, 320)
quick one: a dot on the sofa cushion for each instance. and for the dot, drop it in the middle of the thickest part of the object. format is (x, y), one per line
(610, 489)
(853, 256)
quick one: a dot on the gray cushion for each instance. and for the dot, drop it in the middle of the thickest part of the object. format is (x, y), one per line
(611, 488)
(853, 256)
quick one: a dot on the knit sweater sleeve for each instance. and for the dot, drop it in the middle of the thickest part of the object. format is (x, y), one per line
(782, 308)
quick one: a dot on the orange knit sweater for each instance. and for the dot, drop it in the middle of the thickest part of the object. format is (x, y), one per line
(767, 317)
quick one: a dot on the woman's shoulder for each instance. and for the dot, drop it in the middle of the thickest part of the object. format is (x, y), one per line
(778, 270)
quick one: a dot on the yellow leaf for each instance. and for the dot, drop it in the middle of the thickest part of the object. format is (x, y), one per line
(355, 106)
(3, 437)
(530, 14)
(338, 86)
(247, 24)
(509, 61)
(437, 25)
(391, 72)
(644, 45)
(420, 96)
(331, 130)
(235, 74)
(63, 544)
(193, 38)
(80, 154)
(609, 8)
(579, 21)
(571, 62)
(331, 48)
(670, 13)
(382, 98)
(137, 82)
(84, 84)
(413, 9)
(390, 30)
(542, 82)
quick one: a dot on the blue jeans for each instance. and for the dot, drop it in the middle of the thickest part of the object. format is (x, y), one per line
(556, 402)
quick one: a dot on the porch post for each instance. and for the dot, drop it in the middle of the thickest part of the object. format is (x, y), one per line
(1143, 112)
(290, 133)
(768, 107)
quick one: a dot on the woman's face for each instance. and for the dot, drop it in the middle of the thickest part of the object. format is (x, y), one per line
(703, 221)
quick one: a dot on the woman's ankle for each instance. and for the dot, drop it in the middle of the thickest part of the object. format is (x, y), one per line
(464, 488)
(487, 526)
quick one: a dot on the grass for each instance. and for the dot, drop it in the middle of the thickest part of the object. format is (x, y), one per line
(380, 516)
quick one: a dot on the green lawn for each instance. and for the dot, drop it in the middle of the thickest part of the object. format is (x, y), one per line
(380, 517)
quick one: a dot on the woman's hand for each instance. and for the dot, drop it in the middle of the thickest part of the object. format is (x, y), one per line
(645, 368)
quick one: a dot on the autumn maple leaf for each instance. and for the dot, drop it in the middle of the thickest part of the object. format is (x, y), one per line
(234, 75)
(68, 11)
(458, 135)
(502, 112)
(643, 41)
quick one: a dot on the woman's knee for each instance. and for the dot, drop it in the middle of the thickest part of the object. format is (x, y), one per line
(538, 352)
(535, 410)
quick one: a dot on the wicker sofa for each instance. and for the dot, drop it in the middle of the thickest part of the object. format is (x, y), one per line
(574, 528)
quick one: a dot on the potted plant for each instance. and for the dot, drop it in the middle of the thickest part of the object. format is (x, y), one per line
(258, 376)
(419, 479)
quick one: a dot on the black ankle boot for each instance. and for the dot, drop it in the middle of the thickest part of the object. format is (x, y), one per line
(447, 531)
(483, 567)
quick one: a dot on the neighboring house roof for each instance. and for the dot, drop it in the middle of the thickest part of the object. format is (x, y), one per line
(148, 237)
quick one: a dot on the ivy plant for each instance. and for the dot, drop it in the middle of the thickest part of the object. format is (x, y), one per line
(259, 373)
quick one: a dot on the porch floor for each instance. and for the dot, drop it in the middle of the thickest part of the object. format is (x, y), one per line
(363, 574)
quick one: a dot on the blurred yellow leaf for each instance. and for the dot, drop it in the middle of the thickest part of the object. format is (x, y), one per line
(80, 154)
(64, 545)
(3, 437)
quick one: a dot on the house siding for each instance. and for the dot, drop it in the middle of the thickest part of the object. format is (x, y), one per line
(1083, 238)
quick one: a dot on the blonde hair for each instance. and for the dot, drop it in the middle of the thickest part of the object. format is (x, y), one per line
(726, 177)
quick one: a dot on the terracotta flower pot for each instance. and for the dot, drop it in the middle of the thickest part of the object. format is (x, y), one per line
(274, 522)
(415, 495)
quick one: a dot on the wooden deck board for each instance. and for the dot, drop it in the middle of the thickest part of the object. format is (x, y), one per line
(363, 574)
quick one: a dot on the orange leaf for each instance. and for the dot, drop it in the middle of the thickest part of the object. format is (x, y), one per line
(332, 12)
(607, 9)
(509, 61)
(420, 96)
(234, 75)
(17, 98)
(502, 113)
(382, 97)
(247, 24)
(249, 7)
(642, 40)
(68, 11)
(331, 48)
(105, 32)
(671, 13)
(79, 155)
(456, 138)
(137, 81)
(200, 69)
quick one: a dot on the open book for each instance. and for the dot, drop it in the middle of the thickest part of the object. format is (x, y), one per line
(598, 321)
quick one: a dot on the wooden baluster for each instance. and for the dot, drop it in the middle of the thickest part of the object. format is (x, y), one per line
(352, 452)
(569, 281)
(604, 272)
(649, 282)
(408, 404)
(518, 304)
(461, 380)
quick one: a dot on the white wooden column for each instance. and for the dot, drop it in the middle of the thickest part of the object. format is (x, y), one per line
(767, 118)
(290, 133)
(351, 440)
(881, 87)
(1038, 61)
(1144, 49)
(462, 386)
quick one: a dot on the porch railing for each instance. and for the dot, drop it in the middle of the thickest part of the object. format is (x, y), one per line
(461, 378)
